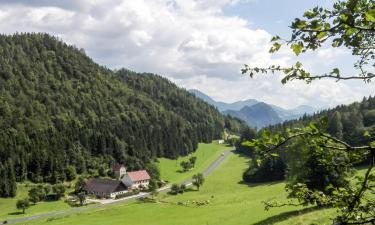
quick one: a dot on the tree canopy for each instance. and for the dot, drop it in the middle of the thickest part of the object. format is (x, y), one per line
(348, 24)
(61, 114)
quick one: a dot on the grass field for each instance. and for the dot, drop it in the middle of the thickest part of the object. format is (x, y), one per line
(206, 154)
(231, 202)
(8, 208)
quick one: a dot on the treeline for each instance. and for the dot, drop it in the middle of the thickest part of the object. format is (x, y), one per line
(58, 108)
(354, 124)
(347, 122)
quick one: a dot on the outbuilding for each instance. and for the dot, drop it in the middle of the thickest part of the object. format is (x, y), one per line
(105, 188)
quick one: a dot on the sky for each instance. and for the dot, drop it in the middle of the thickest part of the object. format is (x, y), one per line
(198, 44)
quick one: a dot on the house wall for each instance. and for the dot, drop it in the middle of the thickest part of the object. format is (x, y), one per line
(114, 194)
(107, 195)
(143, 183)
(120, 172)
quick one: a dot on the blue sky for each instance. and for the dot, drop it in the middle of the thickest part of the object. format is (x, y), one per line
(200, 44)
(273, 16)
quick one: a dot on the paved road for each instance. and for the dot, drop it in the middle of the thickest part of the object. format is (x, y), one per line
(206, 172)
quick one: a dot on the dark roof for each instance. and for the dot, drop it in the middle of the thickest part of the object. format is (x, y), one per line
(104, 185)
(117, 167)
(138, 175)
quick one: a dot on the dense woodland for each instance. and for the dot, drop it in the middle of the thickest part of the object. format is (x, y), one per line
(346, 122)
(354, 124)
(58, 108)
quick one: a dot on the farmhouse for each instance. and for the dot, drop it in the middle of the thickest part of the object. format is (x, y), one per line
(136, 179)
(119, 170)
(105, 188)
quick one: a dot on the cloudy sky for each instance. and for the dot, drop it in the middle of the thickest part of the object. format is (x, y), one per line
(200, 44)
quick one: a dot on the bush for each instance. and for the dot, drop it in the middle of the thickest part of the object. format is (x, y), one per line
(37, 194)
(23, 204)
(186, 165)
(175, 189)
(272, 169)
(71, 173)
(182, 188)
(58, 190)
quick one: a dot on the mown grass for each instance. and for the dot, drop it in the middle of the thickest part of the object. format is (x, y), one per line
(9, 211)
(170, 170)
(231, 202)
(206, 154)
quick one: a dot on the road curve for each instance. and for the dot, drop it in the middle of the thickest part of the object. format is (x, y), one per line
(206, 172)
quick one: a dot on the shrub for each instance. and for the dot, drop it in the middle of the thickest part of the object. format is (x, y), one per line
(272, 169)
(182, 188)
(175, 189)
(23, 204)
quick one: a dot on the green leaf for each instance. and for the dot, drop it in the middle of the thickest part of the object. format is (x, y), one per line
(274, 154)
(300, 24)
(313, 127)
(321, 35)
(298, 65)
(336, 72)
(276, 46)
(275, 38)
(297, 48)
(370, 15)
(366, 134)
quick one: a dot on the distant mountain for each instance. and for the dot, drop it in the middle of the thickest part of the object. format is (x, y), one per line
(303, 109)
(268, 114)
(295, 113)
(258, 115)
(223, 106)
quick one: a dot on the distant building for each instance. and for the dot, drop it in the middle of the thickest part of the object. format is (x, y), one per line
(221, 141)
(105, 188)
(119, 170)
(136, 179)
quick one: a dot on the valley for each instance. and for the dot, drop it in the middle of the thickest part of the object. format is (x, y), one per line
(231, 202)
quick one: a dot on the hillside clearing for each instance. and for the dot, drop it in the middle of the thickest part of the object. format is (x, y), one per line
(170, 170)
(231, 202)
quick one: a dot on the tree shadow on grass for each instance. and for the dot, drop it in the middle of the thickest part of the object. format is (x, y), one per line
(189, 189)
(270, 183)
(15, 213)
(286, 215)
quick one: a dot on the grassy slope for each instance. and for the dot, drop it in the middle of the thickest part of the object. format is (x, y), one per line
(231, 203)
(206, 154)
(8, 208)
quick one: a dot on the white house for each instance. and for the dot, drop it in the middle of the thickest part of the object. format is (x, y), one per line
(136, 179)
(119, 170)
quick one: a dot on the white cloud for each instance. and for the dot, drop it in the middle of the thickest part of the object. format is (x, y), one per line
(189, 41)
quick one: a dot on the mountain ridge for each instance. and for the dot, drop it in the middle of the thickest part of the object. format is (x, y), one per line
(234, 109)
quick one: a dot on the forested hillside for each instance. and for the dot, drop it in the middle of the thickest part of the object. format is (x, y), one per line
(347, 122)
(354, 124)
(59, 108)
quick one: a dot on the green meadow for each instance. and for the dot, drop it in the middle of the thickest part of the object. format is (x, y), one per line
(230, 202)
(170, 170)
(9, 211)
(206, 154)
